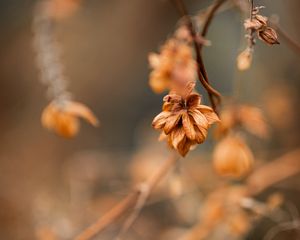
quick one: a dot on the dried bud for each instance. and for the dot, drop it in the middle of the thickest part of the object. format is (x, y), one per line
(244, 59)
(258, 22)
(63, 117)
(232, 157)
(268, 35)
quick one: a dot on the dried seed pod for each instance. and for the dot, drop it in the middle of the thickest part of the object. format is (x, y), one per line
(244, 59)
(268, 35)
(232, 157)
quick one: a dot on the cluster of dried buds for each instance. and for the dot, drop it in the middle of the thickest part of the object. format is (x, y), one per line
(232, 157)
(259, 25)
(61, 115)
(256, 24)
(183, 121)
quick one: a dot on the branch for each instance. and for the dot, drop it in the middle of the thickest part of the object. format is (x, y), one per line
(210, 17)
(285, 36)
(273, 172)
(214, 95)
(132, 200)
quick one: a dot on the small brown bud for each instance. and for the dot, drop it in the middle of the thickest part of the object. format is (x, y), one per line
(268, 35)
(244, 59)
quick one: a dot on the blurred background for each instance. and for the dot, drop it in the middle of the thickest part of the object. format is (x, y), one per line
(51, 188)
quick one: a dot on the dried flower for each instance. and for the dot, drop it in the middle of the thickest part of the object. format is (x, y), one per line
(184, 121)
(244, 59)
(62, 117)
(232, 157)
(174, 65)
(249, 117)
(268, 35)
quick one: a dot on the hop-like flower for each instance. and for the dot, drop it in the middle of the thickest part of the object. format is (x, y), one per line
(62, 117)
(174, 65)
(232, 157)
(184, 121)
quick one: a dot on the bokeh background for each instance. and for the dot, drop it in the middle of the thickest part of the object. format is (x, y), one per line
(66, 184)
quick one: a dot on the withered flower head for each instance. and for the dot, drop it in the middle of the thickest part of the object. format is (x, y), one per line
(62, 117)
(248, 117)
(232, 157)
(175, 63)
(244, 59)
(268, 35)
(184, 121)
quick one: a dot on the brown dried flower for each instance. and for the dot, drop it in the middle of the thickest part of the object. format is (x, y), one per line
(184, 121)
(62, 117)
(268, 35)
(249, 117)
(232, 157)
(174, 65)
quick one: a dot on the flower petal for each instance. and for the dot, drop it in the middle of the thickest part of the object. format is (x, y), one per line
(193, 100)
(201, 134)
(80, 110)
(66, 125)
(209, 113)
(177, 136)
(160, 120)
(188, 126)
(171, 122)
(184, 146)
(199, 118)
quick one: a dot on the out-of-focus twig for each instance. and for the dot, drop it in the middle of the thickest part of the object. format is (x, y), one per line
(273, 172)
(132, 200)
(286, 37)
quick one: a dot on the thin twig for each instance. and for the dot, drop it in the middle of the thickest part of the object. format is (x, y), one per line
(210, 17)
(128, 202)
(285, 36)
(214, 95)
(273, 172)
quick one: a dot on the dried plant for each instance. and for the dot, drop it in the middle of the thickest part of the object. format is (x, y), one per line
(62, 113)
(228, 207)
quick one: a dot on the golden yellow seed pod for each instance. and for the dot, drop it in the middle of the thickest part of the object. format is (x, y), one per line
(232, 157)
